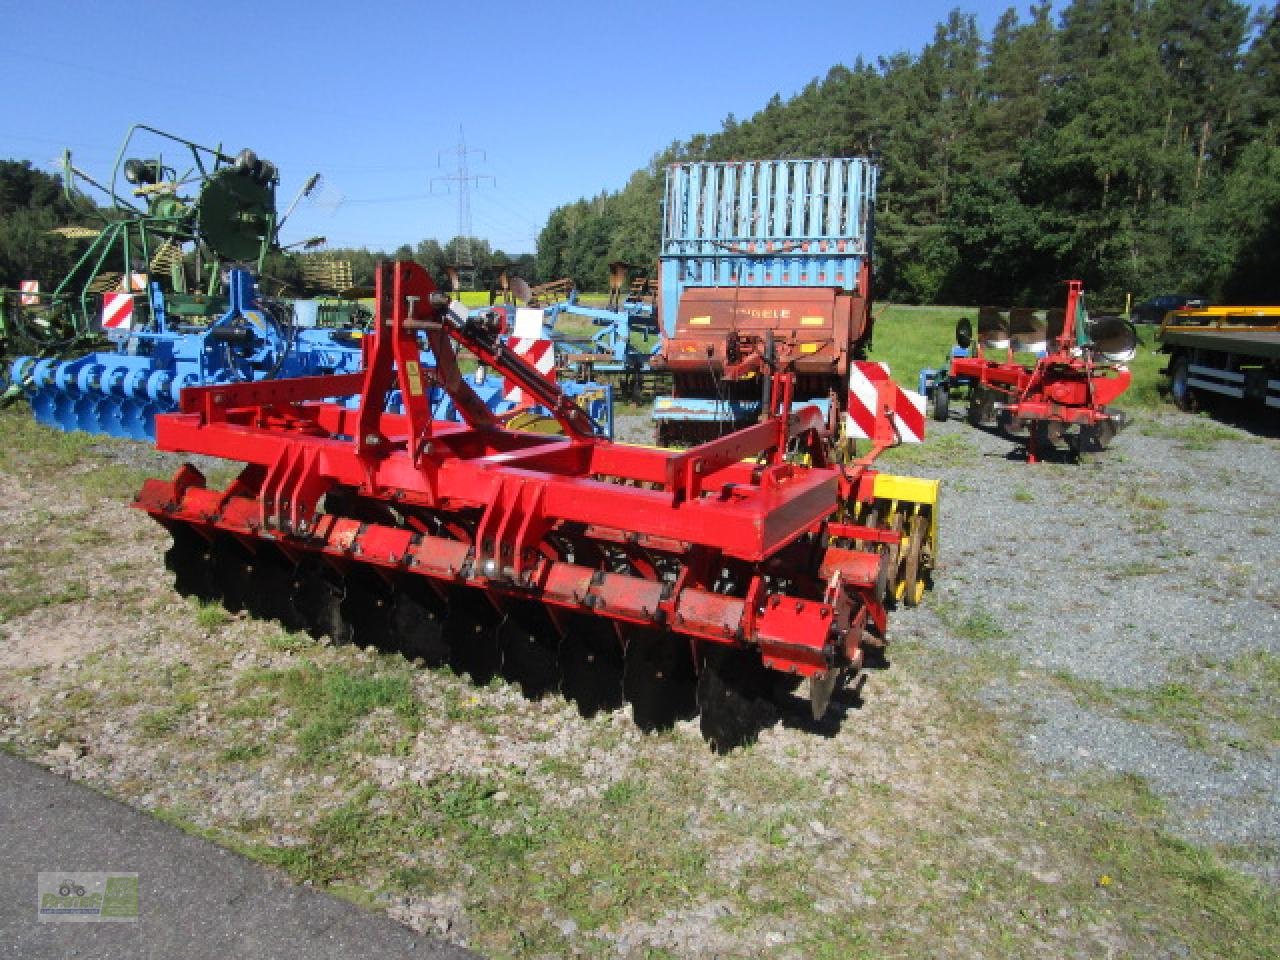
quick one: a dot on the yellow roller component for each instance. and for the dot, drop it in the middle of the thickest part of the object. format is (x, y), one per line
(909, 507)
(918, 490)
(531, 422)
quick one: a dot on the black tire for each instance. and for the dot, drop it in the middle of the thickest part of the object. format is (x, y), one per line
(976, 414)
(1183, 395)
(941, 401)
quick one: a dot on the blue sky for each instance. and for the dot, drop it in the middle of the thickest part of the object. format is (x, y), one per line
(565, 99)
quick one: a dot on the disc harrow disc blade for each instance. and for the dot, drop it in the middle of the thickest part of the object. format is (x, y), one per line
(658, 678)
(318, 600)
(1092, 439)
(734, 699)
(273, 597)
(471, 633)
(417, 620)
(591, 664)
(190, 559)
(529, 643)
(366, 608)
(234, 571)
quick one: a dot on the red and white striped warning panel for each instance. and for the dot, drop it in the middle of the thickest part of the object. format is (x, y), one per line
(907, 406)
(117, 311)
(538, 352)
(30, 292)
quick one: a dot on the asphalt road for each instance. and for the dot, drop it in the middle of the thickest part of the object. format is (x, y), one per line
(195, 899)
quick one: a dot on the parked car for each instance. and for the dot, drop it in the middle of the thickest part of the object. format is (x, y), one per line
(1153, 310)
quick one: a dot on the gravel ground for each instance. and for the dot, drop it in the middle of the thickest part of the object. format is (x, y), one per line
(1133, 578)
(1115, 580)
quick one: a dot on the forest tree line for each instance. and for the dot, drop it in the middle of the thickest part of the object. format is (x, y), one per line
(1128, 143)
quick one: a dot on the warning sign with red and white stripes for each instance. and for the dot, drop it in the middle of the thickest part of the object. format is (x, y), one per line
(538, 352)
(30, 292)
(117, 311)
(907, 408)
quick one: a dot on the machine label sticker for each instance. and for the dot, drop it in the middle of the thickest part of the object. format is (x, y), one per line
(812, 321)
(415, 378)
(699, 321)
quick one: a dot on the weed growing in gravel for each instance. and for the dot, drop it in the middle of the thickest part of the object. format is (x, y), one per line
(243, 752)
(326, 702)
(1137, 568)
(210, 616)
(157, 724)
(947, 450)
(1208, 712)
(1198, 434)
(113, 481)
(968, 621)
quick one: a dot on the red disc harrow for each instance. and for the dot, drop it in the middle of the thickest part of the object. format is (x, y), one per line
(681, 582)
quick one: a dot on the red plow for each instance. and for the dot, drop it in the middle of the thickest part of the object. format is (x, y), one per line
(682, 582)
(1080, 370)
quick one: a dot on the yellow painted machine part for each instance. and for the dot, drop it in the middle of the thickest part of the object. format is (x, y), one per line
(531, 422)
(916, 490)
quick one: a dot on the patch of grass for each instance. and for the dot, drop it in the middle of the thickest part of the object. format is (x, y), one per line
(79, 700)
(210, 616)
(419, 878)
(287, 642)
(946, 450)
(30, 447)
(1178, 707)
(32, 574)
(1259, 668)
(462, 703)
(911, 337)
(1175, 701)
(1197, 433)
(620, 793)
(250, 708)
(1180, 873)
(23, 601)
(968, 622)
(1141, 500)
(162, 722)
(303, 861)
(1023, 495)
(91, 536)
(1137, 568)
(242, 752)
(113, 481)
(326, 702)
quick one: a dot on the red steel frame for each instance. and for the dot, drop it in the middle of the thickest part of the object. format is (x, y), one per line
(1065, 386)
(503, 492)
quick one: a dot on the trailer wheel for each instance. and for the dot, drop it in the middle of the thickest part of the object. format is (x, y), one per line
(941, 401)
(981, 407)
(1184, 396)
